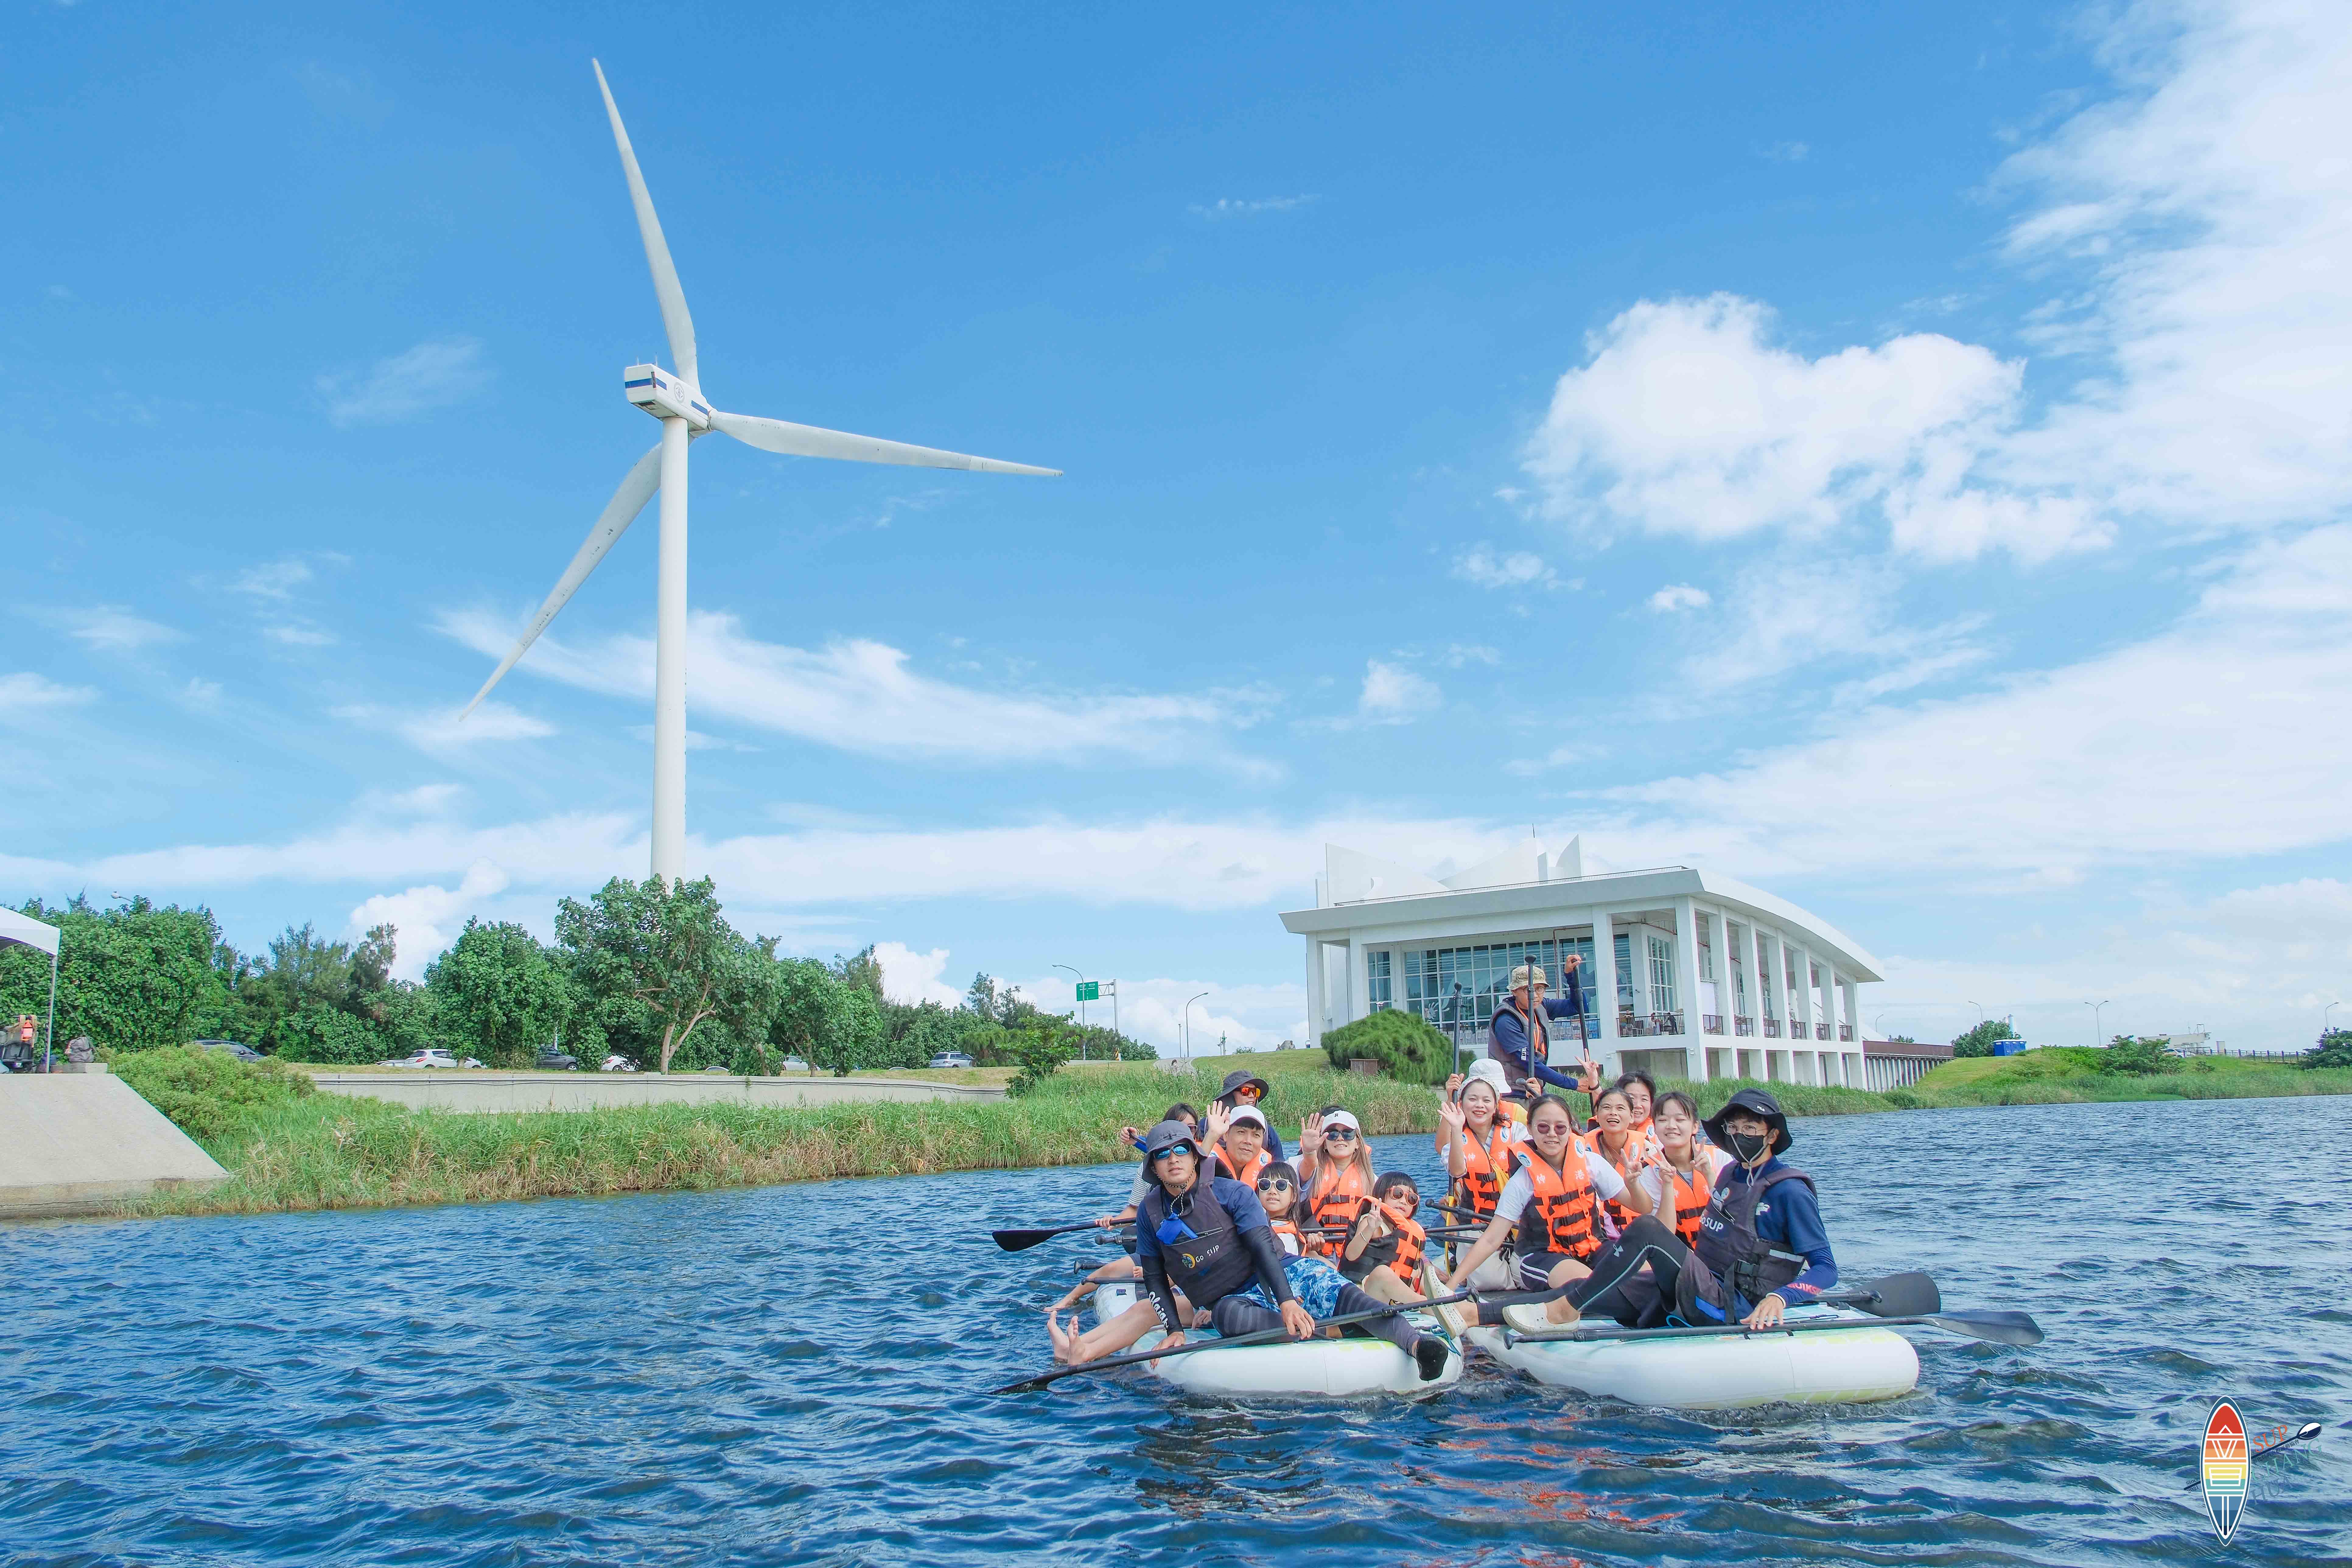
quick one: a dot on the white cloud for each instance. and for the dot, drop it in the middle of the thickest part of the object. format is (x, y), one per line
(2227, 734)
(1228, 206)
(437, 373)
(22, 692)
(1778, 616)
(1686, 421)
(300, 635)
(913, 977)
(429, 917)
(439, 731)
(2211, 203)
(112, 629)
(1394, 695)
(272, 579)
(1785, 151)
(1461, 653)
(200, 693)
(863, 696)
(1519, 569)
(1679, 596)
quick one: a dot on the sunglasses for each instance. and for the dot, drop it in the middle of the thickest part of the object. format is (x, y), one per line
(1339, 1135)
(1276, 1185)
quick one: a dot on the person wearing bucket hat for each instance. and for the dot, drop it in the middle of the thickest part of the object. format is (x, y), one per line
(1761, 1244)
(1242, 1087)
(1519, 1034)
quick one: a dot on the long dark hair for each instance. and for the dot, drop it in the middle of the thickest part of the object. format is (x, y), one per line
(1645, 1081)
(1690, 1106)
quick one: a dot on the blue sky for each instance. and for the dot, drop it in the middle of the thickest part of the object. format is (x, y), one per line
(1898, 460)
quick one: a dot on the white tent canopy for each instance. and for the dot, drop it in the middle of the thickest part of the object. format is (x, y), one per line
(15, 927)
(31, 932)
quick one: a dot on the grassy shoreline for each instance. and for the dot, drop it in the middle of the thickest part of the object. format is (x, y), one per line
(290, 1150)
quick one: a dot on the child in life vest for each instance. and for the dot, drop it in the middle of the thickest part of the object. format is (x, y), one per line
(1681, 1178)
(1336, 1176)
(1383, 1253)
(1614, 1139)
(1278, 1193)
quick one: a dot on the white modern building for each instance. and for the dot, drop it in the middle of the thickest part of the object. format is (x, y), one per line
(1712, 978)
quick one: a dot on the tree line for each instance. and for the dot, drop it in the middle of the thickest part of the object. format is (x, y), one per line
(648, 972)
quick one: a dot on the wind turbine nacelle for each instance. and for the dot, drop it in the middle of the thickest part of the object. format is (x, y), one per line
(665, 396)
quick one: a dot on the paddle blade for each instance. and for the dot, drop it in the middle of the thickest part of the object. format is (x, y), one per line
(1902, 1296)
(1022, 1240)
(2000, 1328)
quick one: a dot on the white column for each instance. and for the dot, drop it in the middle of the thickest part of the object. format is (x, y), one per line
(1756, 980)
(1360, 1005)
(1315, 981)
(1804, 998)
(669, 662)
(1686, 990)
(1604, 959)
(1829, 998)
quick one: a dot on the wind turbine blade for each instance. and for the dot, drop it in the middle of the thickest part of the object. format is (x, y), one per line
(808, 441)
(675, 320)
(636, 489)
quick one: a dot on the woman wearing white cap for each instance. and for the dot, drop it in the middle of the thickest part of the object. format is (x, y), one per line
(1335, 1170)
(1483, 1149)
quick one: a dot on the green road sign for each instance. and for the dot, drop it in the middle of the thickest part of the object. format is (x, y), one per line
(1090, 990)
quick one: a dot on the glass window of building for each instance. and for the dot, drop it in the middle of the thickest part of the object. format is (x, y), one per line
(1460, 989)
(1661, 975)
(1376, 979)
(1629, 996)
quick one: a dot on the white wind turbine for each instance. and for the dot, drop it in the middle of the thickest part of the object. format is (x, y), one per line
(676, 401)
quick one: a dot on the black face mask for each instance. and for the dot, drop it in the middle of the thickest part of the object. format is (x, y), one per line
(1748, 1148)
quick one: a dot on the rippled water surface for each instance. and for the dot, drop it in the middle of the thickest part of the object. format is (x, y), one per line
(795, 1375)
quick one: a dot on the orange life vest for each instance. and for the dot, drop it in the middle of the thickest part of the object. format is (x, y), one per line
(1412, 1242)
(1282, 1228)
(1564, 1214)
(1687, 1196)
(1247, 1174)
(1625, 1161)
(1338, 1206)
(1485, 1166)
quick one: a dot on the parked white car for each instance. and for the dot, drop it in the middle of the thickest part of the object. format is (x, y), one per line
(619, 1064)
(428, 1057)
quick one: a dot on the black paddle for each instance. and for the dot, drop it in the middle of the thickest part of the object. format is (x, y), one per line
(2309, 1429)
(1269, 1336)
(1022, 1240)
(2000, 1328)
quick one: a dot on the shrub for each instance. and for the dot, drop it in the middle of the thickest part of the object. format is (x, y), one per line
(328, 1034)
(2334, 1051)
(1978, 1041)
(2141, 1057)
(1040, 1054)
(209, 1094)
(1407, 1046)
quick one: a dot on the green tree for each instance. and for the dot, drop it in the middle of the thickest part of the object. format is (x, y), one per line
(666, 954)
(1408, 1047)
(317, 1032)
(2334, 1051)
(131, 977)
(2140, 1055)
(499, 993)
(1978, 1041)
(372, 962)
(1040, 1052)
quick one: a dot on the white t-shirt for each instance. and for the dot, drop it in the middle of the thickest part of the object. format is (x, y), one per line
(1654, 1178)
(1520, 1190)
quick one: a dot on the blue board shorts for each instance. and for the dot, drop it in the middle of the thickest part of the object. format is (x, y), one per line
(1312, 1279)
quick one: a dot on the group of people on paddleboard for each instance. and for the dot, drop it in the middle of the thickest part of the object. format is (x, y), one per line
(1641, 1211)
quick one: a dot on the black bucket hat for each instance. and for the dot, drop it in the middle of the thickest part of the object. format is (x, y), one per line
(1755, 1102)
(1166, 1136)
(1242, 1078)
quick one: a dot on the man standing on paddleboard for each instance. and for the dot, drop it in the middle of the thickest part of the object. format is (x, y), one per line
(1519, 1036)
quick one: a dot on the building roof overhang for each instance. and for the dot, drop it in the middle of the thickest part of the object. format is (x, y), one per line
(1571, 900)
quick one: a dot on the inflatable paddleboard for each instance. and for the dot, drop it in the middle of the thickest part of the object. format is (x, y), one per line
(1344, 1368)
(1731, 1371)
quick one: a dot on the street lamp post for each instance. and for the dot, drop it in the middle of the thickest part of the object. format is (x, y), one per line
(1082, 1014)
(2098, 1029)
(1188, 1025)
(2324, 1024)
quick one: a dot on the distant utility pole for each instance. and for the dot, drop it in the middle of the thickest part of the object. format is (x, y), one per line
(2098, 1032)
(1083, 991)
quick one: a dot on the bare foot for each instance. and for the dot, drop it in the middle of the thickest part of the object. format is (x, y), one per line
(1061, 1342)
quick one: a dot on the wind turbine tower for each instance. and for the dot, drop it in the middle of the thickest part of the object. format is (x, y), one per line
(674, 397)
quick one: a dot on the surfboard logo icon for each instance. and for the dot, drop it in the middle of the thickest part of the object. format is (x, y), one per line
(2224, 1470)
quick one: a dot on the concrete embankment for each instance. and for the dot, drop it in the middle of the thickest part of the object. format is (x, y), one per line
(459, 1088)
(75, 1143)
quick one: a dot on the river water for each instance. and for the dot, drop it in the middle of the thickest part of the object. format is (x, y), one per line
(794, 1374)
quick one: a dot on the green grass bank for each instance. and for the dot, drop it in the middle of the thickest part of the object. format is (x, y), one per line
(290, 1148)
